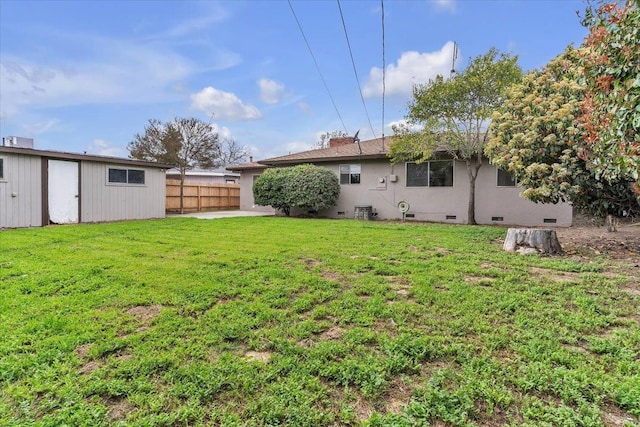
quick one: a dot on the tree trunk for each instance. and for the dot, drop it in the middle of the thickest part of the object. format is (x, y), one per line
(472, 173)
(532, 240)
(182, 174)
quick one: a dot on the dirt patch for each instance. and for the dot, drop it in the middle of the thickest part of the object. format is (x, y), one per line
(257, 356)
(612, 416)
(333, 333)
(558, 276)
(311, 263)
(584, 240)
(83, 350)
(442, 251)
(90, 367)
(330, 275)
(398, 397)
(118, 409)
(307, 342)
(145, 313)
(362, 410)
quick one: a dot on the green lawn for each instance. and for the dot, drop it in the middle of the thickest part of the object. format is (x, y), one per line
(299, 322)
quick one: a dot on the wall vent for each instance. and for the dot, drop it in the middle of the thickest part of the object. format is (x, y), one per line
(451, 217)
(497, 218)
(549, 220)
(409, 215)
(340, 212)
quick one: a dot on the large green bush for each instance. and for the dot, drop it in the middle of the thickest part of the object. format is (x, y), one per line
(269, 189)
(303, 186)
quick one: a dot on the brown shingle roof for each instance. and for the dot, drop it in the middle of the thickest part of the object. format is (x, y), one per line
(372, 149)
(246, 166)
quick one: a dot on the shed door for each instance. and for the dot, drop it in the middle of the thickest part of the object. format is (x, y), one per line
(63, 192)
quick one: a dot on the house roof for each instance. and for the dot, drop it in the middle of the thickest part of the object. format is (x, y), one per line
(203, 172)
(76, 156)
(371, 149)
(246, 166)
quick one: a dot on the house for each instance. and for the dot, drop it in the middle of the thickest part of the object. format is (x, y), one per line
(41, 187)
(437, 190)
(210, 176)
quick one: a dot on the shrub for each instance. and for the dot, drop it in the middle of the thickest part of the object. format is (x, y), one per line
(303, 186)
(312, 187)
(269, 189)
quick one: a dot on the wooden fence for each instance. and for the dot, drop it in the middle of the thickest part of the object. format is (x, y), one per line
(201, 196)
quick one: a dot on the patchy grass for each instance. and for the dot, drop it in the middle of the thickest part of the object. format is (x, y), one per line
(277, 321)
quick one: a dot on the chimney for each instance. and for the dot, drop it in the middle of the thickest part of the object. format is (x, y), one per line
(338, 142)
(250, 159)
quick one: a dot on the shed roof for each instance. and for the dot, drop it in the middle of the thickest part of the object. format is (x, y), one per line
(76, 156)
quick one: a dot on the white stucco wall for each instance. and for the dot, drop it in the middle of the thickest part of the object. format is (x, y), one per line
(437, 204)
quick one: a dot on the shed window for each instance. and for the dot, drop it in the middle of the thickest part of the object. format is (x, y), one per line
(126, 176)
(505, 179)
(1, 168)
(350, 174)
(430, 174)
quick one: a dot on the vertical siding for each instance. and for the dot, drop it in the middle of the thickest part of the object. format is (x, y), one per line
(101, 202)
(20, 191)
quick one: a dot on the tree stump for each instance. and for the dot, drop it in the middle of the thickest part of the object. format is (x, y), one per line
(532, 240)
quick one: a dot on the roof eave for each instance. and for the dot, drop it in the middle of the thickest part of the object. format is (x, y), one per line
(77, 156)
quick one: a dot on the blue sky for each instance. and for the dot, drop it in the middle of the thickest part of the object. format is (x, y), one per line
(87, 75)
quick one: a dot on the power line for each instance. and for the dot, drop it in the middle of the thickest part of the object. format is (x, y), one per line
(384, 72)
(317, 66)
(346, 35)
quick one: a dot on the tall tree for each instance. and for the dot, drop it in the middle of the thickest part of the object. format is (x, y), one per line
(609, 60)
(184, 143)
(536, 136)
(323, 140)
(232, 153)
(453, 115)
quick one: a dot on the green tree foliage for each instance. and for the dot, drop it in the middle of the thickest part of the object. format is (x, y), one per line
(609, 60)
(536, 136)
(452, 115)
(184, 143)
(302, 186)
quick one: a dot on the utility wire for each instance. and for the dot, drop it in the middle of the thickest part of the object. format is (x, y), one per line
(346, 35)
(384, 72)
(317, 66)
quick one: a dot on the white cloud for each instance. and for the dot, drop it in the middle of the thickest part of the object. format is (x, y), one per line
(297, 146)
(403, 122)
(104, 148)
(448, 5)
(124, 73)
(223, 105)
(223, 131)
(39, 128)
(304, 107)
(270, 91)
(412, 68)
